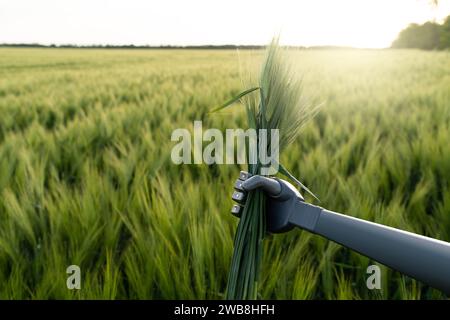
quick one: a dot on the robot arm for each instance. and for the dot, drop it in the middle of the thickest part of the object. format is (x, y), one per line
(419, 257)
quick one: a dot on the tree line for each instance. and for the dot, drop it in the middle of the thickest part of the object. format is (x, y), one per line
(427, 36)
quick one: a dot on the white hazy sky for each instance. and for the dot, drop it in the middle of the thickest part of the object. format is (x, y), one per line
(362, 23)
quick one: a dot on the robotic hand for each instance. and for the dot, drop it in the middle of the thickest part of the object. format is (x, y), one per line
(419, 257)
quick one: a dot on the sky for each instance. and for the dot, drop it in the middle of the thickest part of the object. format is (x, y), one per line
(358, 23)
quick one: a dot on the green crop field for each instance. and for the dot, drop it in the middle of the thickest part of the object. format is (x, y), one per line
(86, 176)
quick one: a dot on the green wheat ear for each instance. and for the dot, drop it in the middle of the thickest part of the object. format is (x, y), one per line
(275, 102)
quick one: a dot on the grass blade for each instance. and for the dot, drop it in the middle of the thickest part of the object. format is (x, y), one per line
(286, 173)
(235, 99)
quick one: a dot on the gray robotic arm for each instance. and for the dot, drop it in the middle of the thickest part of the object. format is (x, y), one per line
(419, 257)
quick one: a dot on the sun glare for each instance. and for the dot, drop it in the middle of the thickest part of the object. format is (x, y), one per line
(373, 24)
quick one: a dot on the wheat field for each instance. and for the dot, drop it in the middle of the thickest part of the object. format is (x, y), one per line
(86, 176)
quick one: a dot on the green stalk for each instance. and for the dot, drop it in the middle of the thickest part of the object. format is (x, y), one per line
(278, 105)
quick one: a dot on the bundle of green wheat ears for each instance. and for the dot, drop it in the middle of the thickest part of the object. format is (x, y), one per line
(275, 101)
